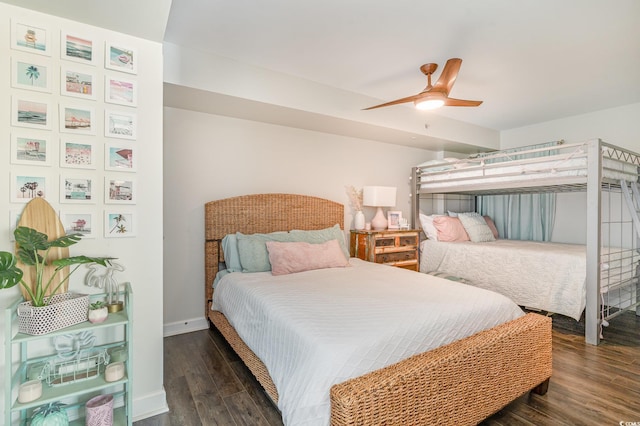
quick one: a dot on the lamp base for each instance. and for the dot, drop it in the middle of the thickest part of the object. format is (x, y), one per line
(379, 222)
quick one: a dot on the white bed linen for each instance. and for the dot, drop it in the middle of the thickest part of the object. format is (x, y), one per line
(317, 328)
(542, 275)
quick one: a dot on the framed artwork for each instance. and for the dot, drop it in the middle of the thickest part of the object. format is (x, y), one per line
(32, 38)
(78, 223)
(119, 191)
(77, 154)
(30, 75)
(30, 112)
(120, 124)
(120, 91)
(120, 58)
(76, 189)
(26, 187)
(118, 224)
(77, 119)
(394, 218)
(118, 157)
(77, 48)
(77, 83)
(30, 149)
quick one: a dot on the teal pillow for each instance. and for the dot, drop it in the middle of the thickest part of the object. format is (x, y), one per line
(252, 250)
(231, 255)
(321, 236)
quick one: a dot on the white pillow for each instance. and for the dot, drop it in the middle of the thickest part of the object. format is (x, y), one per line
(428, 227)
(476, 227)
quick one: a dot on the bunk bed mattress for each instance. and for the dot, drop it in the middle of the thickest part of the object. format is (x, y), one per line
(553, 169)
(318, 328)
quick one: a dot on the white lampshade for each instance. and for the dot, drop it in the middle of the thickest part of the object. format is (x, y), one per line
(379, 196)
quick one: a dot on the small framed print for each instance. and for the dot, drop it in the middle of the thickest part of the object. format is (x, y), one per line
(77, 119)
(30, 75)
(119, 191)
(118, 157)
(30, 112)
(77, 154)
(77, 48)
(393, 219)
(30, 149)
(120, 58)
(32, 38)
(120, 91)
(77, 83)
(76, 189)
(26, 187)
(118, 224)
(78, 223)
(120, 124)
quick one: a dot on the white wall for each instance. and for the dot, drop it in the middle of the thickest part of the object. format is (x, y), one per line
(140, 255)
(618, 126)
(209, 157)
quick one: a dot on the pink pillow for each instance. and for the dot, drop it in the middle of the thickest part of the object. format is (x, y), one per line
(492, 226)
(290, 257)
(450, 229)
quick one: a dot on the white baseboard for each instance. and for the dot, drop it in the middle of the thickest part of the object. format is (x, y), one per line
(185, 326)
(150, 405)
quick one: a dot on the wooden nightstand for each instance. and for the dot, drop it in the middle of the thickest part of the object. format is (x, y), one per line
(390, 247)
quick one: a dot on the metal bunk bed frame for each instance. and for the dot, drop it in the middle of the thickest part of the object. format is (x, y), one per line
(592, 176)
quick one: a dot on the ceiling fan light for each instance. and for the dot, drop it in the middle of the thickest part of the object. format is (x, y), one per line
(429, 104)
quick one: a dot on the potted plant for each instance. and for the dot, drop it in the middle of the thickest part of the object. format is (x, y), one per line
(98, 312)
(32, 249)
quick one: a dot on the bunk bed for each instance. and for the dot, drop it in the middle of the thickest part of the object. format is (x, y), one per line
(608, 174)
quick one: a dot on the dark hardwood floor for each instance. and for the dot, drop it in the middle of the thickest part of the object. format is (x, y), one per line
(207, 384)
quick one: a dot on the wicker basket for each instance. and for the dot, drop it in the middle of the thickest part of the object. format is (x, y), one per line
(63, 310)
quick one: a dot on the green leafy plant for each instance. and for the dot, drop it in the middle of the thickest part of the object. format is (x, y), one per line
(33, 251)
(97, 305)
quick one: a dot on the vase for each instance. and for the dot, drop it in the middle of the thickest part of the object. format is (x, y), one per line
(99, 411)
(98, 315)
(358, 220)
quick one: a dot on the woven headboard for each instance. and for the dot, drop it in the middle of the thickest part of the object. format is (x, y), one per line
(261, 213)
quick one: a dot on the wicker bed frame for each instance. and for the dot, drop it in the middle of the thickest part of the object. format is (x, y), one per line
(460, 383)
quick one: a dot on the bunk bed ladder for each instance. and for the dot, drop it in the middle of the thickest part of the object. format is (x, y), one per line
(633, 203)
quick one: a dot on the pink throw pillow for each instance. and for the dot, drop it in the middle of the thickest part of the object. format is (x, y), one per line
(491, 226)
(290, 257)
(450, 229)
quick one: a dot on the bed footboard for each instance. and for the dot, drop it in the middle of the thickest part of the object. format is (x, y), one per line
(458, 384)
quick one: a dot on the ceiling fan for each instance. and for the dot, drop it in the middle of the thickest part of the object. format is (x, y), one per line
(437, 95)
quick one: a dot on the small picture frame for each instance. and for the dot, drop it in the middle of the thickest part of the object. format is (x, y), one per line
(78, 83)
(120, 157)
(76, 189)
(393, 219)
(78, 223)
(77, 48)
(33, 75)
(30, 37)
(120, 58)
(120, 124)
(77, 119)
(34, 113)
(32, 149)
(77, 154)
(25, 187)
(119, 224)
(119, 191)
(120, 91)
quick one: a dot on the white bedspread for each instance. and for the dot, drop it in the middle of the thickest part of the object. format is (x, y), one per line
(317, 328)
(542, 275)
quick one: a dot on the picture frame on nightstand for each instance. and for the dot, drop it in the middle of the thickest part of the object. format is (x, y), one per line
(393, 219)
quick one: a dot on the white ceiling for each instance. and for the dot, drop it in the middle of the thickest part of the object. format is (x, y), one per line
(530, 61)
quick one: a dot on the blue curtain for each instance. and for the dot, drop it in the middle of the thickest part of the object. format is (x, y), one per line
(522, 216)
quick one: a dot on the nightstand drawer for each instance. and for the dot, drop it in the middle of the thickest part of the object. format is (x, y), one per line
(392, 257)
(390, 247)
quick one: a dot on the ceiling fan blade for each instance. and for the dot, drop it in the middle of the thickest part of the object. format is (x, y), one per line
(461, 102)
(396, 102)
(448, 76)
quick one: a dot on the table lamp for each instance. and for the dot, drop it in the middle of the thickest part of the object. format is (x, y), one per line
(379, 196)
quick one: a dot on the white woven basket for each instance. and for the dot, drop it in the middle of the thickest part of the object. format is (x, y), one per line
(63, 310)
